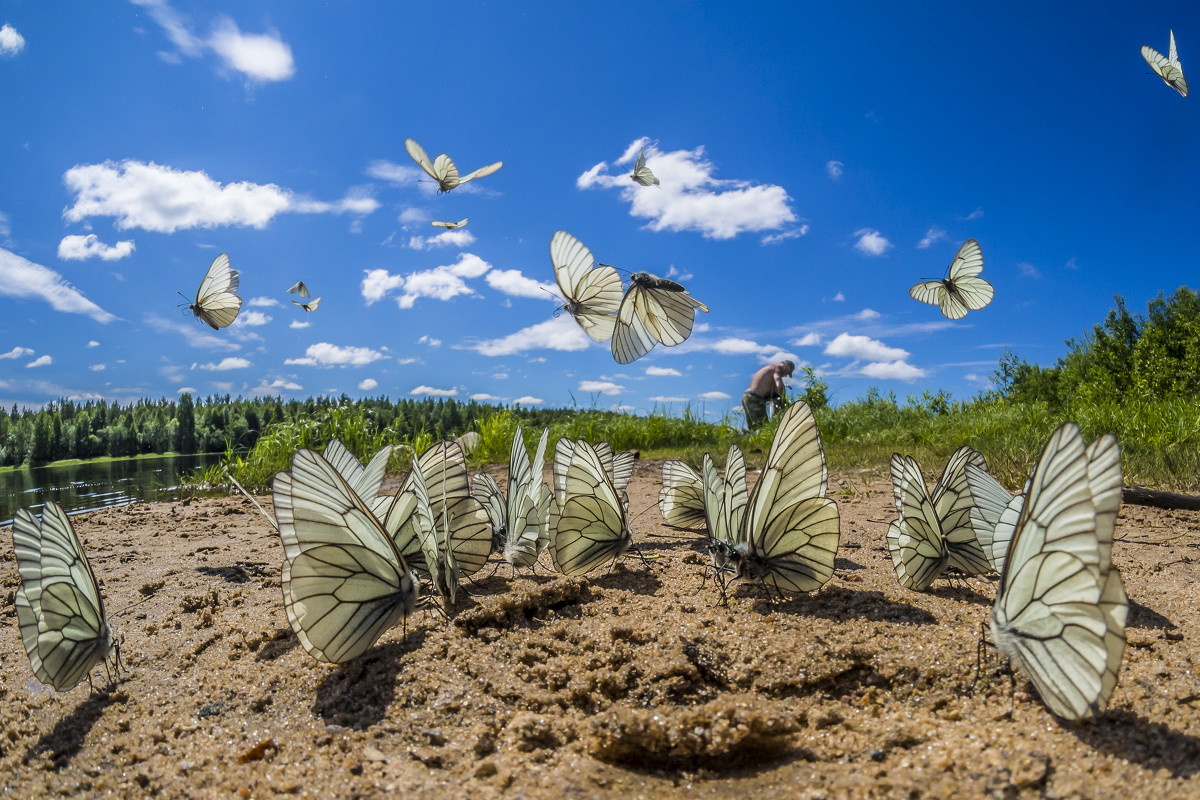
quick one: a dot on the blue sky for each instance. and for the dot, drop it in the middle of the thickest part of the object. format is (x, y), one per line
(816, 160)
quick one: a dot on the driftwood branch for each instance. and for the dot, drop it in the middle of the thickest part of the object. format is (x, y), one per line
(1139, 496)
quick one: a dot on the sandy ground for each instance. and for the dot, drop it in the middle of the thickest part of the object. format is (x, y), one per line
(634, 682)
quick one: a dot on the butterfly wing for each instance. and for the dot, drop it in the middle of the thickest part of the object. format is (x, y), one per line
(630, 339)
(365, 481)
(915, 542)
(930, 292)
(952, 502)
(216, 304)
(641, 173)
(591, 527)
(681, 499)
(299, 288)
(592, 294)
(418, 154)
(989, 500)
(59, 609)
(482, 172)
(725, 503)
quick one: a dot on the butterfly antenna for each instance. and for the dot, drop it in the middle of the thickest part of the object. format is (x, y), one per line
(131, 606)
(261, 510)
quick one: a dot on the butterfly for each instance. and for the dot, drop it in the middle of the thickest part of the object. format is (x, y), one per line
(520, 527)
(653, 310)
(962, 289)
(641, 173)
(59, 608)
(934, 530)
(1167, 67)
(449, 225)
(309, 306)
(299, 287)
(1060, 609)
(344, 581)
(443, 170)
(216, 302)
(994, 514)
(785, 536)
(588, 525)
(593, 294)
(364, 480)
(681, 499)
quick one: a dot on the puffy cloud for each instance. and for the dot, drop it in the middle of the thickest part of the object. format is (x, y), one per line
(560, 333)
(276, 386)
(251, 319)
(513, 282)
(440, 283)
(196, 334)
(40, 361)
(429, 391)
(400, 175)
(430, 341)
(20, 277)
(263, 302)
(79, 248)
(157, 198)
(98, 367)
(898, 370)
(835, 169)
(690, 198)
(934, 234)
(529, 400)
(298, 325)
(603, 387)
(714, 396)
(93, 343)
(871, 242)
(225, 364)
(863, 347)
(324, 354)
(17, 352)
(11, 42)
(367, 384)
(260, 57)
(484, 397)
(807, 340)
(663, 372)
(459, 238)
(1029, 270)
(865, 314)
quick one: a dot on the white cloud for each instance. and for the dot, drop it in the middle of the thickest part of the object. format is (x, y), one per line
(690, 198)
(865, 314)
(430, 341)
(560, 333)
(794, 233)
(276, 386)
(11, 42)
(20, 277)
(458, 238)
(79, 248)
(324, 354)
(400, 175)
(976, 214)
(440, 283)
(17, 352)
(484, 397)
(40, 361)
(665, 399)
(807, 340)
(1029, 270)
(603, 387)
(899, 370)
(863, 347)
(227, 364)
(158, 198)
(367, 384)
(1071, 263)
(260, 57)
(93, 343)
(251, 319)
(871, 242)
(500, 376)
(678, 274)
(429, 391)
(835, 169)
(529, 400)
(297, 324)
(838, 298)
(197, 335)
(263, 302)
(934, 234)
(513, 282)
(98, 367)
(714, 396)
(663, 372)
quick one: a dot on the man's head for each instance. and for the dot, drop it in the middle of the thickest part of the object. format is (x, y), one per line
(788, 365)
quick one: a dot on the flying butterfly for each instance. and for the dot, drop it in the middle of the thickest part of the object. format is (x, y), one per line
(681, 499)
(299, 287)
(1060, 609)
(344, 581)
(593, 294)
(442, 169)
(653, 310)
(216, 302)
(1167, 67)
(641, 173)
(934, 531)
(59, 608)
(449, 225)
(962, 289)
(588, 525)
(310, 305)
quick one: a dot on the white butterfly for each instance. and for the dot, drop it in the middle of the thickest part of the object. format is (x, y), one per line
(216, 302)
(442, 169)
(449, 225)
(994, 514)
(310, 305)
(59, 608)
(344, 582)
(641, 173)
(588, 526)
(681, 499)
(593, 294)
(520, 530)
(653, 310)
(1167, 67)
(962, 289)
(934, 530)
(300, 288)
(785, 536)
(1060, 609)
(365, 481)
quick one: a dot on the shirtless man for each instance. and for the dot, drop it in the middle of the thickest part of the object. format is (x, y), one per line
(767, 384)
